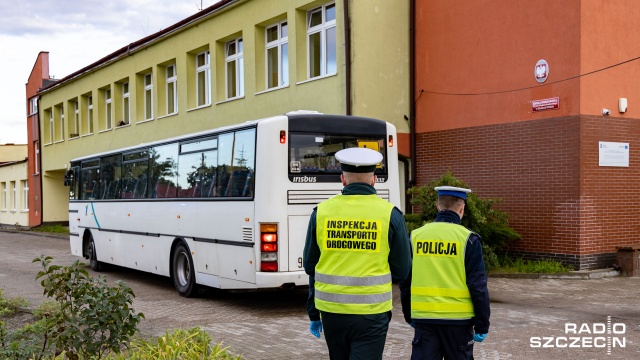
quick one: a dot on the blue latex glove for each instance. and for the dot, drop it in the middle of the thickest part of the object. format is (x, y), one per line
(479, 337)
(316, 328)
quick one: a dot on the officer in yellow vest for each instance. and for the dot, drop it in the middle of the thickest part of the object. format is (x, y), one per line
(357, 245)
(445, 297)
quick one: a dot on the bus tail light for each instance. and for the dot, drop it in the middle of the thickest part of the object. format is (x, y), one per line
(390, 140)
(283, 137)
(269, 245)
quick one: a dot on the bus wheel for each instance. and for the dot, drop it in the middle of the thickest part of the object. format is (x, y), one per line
(94, 264)
(184, 277)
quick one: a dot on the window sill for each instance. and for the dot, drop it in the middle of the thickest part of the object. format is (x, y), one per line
(89, 134)
(272, 89)
(168, 115)
(316, 78)
(24, 211)
(47, 144)
(199, 107)
(104, 131)
(122, 126)
(74, 137)
(59, 141)
(145, 121)
(230, 100)
(3, 210)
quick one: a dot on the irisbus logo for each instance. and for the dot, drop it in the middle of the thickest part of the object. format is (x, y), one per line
(304, 179)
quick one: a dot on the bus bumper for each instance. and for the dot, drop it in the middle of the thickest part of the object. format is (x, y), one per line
(281, 279)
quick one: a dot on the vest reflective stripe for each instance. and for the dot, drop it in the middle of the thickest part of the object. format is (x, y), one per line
(353, 298)
(353, 281)
(353, 275)
(457, 293)
(439, 284)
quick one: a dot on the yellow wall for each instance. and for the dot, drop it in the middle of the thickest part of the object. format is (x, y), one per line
(13, 175)
(12, 153)
(379, 27)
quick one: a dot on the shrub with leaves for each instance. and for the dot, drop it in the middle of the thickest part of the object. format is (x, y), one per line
(480, 216)
(94, 318)
(179, 344)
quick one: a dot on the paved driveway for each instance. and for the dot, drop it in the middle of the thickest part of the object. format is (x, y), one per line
(273, 325)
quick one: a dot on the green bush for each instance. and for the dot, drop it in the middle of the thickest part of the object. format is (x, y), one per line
(520, 265)
(179, 344)
(480, 216)
(93, 318)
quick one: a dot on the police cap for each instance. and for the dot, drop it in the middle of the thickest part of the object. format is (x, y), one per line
(358, 160)
(452, 191)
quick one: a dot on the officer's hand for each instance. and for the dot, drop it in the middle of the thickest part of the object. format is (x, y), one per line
(479, 337)
(316, 328)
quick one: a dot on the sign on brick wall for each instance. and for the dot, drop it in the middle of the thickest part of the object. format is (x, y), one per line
(614, 154)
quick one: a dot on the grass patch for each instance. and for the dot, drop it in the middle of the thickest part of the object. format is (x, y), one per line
(52, 229)
(530, 266)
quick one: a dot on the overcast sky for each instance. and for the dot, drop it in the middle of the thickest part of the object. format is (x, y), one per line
(76, 34)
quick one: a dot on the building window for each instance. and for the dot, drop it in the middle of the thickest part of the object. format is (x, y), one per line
(321, 40)
(37, 158)
(61, 122)
(203, 79)
(125, 105)
(148, 97)
(25, 195)
(90, 114)
(33, 105)
(4, 196)
(234, 68)
(277, 55)
(172, 93)
(51, 127)
(15, 195)
(76, 119)
(107, 109)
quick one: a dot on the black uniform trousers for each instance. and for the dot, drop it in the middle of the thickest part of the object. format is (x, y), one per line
(355, 337)
(435, 341)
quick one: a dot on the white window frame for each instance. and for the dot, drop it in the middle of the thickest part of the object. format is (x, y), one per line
(238, 59)
(76, 118)
(126, 104)
(25, 195)
(62, 122)
(14, 185)
(108, 102)
(322, 29)
(282, 41)
(147, 80)
(89, 114)
(33, 105)
(37, 157)
(51, 126)
(206, 69)
(172, 81)
(4, 196)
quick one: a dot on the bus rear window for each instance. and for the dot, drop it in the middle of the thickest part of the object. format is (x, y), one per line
(312, 154)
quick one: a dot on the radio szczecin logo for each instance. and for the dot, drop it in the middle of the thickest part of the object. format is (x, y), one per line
(596, 335)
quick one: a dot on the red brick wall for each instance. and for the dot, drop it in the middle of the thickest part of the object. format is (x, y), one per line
(546, 171)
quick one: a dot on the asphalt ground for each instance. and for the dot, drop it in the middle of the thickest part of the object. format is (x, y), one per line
(531, 318)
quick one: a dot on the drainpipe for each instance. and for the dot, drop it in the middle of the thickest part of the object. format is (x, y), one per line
(412, 92)
(347, 55)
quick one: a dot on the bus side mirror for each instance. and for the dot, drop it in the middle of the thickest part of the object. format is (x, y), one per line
(68, 178)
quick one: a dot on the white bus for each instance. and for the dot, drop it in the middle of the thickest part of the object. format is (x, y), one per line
(225, 208)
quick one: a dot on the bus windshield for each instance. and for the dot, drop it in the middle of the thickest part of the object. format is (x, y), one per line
(312, 154)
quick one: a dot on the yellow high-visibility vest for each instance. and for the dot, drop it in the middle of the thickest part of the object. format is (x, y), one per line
(439, 281)
(353, 275)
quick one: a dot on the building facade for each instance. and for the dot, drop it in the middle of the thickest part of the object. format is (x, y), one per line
(235, 61)
(511, 97)
(14, 187)
(38, 78)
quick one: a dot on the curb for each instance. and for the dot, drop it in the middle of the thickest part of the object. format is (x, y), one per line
(35, 233)
(574, 275)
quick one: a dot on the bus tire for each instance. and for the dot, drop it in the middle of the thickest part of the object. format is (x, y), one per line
(94, 264)
(182, 272)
